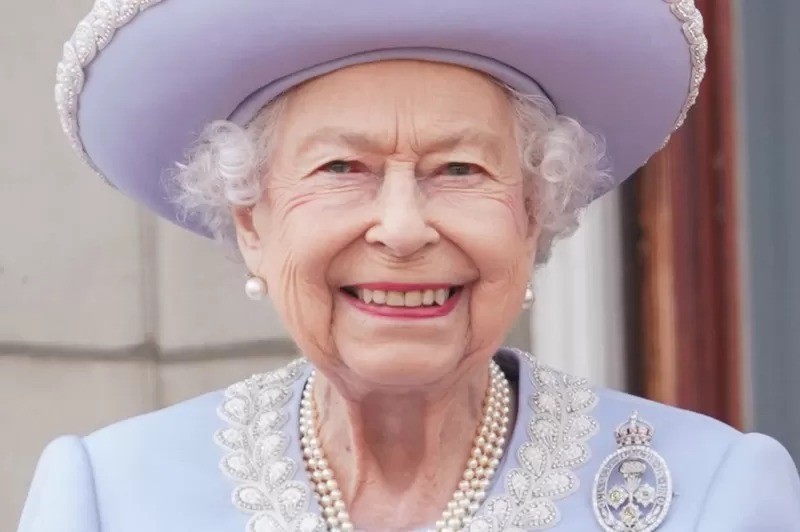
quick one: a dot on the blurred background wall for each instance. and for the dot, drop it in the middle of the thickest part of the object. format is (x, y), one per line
(106, 312)
(770, 163)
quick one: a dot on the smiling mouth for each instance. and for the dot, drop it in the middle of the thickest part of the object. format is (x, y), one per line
(428, 297)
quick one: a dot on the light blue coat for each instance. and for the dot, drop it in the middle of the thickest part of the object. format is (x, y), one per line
(161, 472)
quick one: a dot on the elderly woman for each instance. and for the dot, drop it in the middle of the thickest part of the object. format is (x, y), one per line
(391, 174)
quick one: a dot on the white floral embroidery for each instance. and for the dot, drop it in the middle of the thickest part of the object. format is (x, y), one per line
(257, 443)
(256, 410)
(692, 24)
(556, 445)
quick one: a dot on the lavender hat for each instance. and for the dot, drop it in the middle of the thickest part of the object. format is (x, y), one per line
(141, 78)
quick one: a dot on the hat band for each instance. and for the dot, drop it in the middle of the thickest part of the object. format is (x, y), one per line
(251, 105)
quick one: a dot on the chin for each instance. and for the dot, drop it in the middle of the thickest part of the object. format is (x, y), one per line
(401, 364)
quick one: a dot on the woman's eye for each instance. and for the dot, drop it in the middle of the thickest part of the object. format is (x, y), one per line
(462, 169)
(340, 167)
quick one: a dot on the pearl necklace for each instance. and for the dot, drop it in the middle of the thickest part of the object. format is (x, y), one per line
(483, 460)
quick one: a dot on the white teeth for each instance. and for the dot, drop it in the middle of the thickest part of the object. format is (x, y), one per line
(412, 298)
(378, 297)
(427, 297)
(395, 299)
(441, 296)
(365, 294)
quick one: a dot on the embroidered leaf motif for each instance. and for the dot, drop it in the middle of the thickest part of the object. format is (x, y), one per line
(238, 466)
(558, 433)
(232, 439)
(481, 524)
(547, 377)
(270, 447)
(278, 472)
(239, 389)
(571, 381)
(268, 421)
(311, 523)
(533, 457)
(571, 453)
(271, 398)
(250, 498)
(278, 504)
(547, 403)
(499, 509)
(518, 484)
(545, 431)
(284, 376)
(555, 484)
(293, 500)
(265, 522)
(537, 515)
(580, 426)
(236, 410)
(581, 399)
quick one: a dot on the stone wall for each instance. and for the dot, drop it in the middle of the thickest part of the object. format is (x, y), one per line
(102, 320)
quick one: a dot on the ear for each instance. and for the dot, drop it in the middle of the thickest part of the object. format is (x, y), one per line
(249, 240)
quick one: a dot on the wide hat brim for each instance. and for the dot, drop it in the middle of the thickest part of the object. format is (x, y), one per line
(140, 79)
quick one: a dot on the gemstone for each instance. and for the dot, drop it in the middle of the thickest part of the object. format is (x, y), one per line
(630, 515)
(617, 496)
(645, 495)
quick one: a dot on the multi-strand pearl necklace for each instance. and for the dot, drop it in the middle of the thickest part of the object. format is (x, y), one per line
(483, 460)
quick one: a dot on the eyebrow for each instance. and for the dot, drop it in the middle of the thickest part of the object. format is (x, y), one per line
(488, 142)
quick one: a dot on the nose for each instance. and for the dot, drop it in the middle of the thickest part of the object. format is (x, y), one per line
(401, 227)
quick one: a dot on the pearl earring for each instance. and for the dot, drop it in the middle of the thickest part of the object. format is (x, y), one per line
(527, 303)
(255, 288)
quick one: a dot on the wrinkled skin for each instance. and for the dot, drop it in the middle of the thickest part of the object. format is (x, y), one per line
(399, 171)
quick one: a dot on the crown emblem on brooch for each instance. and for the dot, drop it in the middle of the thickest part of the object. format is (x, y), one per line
(635, 431)
(633, 489)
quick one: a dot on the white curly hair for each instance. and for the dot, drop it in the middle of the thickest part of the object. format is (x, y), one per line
(227, 166)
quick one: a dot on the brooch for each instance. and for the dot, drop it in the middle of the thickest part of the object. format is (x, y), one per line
(632, 491)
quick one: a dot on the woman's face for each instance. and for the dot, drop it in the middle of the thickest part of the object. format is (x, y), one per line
(393, 232)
